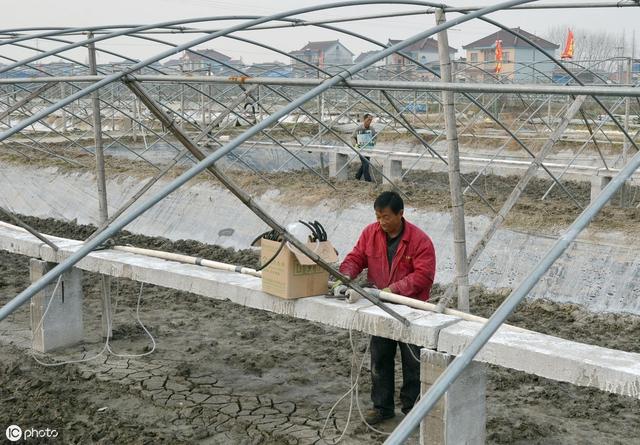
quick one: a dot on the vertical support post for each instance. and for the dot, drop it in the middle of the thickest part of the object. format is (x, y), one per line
(63, 325)
(97, 136)
(202, 107)
(320, 128)
(102, 187)
(460, 415)
(626, 144)
(457, 202)
(338, 166)
(320, 117)
(135, 120)
(392, 169)
(210, 102)
(63, 93)
(182, 105)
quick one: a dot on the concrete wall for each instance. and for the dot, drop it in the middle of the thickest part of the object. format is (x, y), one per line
(601, 272)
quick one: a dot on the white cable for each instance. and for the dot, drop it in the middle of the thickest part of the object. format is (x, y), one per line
(67, 362)
(354, 385)
(153, 340)
(358, 402)
(354, 390)
(106, 346)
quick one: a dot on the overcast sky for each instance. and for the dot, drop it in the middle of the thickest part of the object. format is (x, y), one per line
(77, 13)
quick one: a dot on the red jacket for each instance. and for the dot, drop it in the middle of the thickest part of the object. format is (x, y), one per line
(413, 268)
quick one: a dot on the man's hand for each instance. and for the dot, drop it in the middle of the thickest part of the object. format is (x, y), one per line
(338, 289)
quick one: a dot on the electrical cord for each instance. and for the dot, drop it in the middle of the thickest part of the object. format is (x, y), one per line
(353, 391)
(66, 362)
(282, 243)
(318, 234)
(153, 340)
(354, 384)
(107, 346)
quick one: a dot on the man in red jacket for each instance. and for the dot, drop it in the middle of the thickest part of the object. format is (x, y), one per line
(400, 258)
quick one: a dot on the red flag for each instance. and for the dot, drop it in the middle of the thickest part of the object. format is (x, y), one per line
(498, 56)
(567, 54)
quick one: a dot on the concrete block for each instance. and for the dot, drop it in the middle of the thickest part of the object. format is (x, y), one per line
(460, 415)
(62, 326)
(392, 169)
(338, 166)
(598, 182)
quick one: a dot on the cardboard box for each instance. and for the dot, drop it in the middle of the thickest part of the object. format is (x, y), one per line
(292, 274)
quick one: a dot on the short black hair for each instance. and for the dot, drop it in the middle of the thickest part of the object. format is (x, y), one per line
(391, 200)
(366, 115)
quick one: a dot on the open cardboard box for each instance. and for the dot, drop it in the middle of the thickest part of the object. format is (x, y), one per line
(292, 274)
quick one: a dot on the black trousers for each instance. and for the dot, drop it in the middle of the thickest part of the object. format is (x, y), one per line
(364, 169)
(383, 353)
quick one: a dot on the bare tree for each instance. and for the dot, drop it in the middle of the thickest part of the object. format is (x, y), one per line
(594, 49)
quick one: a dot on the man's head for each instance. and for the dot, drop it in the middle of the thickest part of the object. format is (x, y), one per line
(367, 119)
(389, 209)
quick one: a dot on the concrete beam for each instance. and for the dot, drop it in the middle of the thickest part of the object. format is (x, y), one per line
(554, 358)
(241, 289)
(550, 357)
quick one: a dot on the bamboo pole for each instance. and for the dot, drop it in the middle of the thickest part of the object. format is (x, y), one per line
(105, 281)
(457, 201)
(189, 260)
(26, 227)
(430, 307)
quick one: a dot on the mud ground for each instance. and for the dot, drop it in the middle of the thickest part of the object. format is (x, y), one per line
(222, 373)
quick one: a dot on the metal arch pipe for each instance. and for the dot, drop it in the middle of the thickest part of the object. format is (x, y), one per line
(162, 55)
(110, 35)
(481, 107)
(310, 115)
(566, 70)
(288, 55)
(242, 117)
(253, 20)
(212, 158)
(453, 371)
(177, 29)
(39, 69)
(474, 101)
(362, 95)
